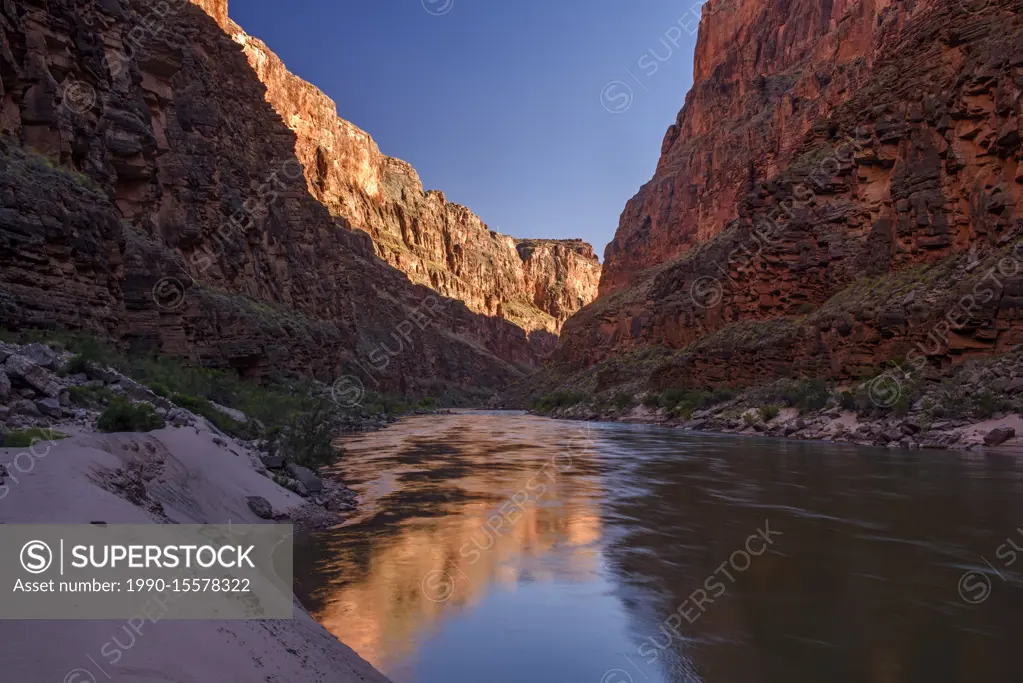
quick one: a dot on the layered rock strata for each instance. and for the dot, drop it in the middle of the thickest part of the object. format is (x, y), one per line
(892, 227)
(149, 191)
(437, 243)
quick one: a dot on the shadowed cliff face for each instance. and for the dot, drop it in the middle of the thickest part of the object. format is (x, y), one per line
(436, 243)
(888, 226)
(764, 72)
(160, 201)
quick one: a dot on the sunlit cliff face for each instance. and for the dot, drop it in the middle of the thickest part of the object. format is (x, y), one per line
(436, 243)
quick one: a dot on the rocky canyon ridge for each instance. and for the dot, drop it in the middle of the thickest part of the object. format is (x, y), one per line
(165, 181)
(842, 189)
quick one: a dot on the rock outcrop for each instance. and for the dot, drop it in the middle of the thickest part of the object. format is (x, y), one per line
(866, 211)
(765, 73)
(437, 243)
(149, 191)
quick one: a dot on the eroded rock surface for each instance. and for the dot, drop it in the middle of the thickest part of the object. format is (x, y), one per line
(149, 191)
(877, 212)
(437, 243)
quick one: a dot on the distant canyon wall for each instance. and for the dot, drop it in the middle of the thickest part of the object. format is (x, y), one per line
(536, 284)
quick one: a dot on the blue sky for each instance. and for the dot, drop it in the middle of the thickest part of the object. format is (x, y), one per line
(504, 106)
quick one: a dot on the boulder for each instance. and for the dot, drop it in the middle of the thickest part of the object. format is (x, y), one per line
(273, 462)
(104, 375)
(26, 407)
(21, 368)
(260, 507)
(999, 435)
(310, 481)
(910, 428)
(5, 386)
(6, 351)
(50, 407)
(43, 356)
(179, 417)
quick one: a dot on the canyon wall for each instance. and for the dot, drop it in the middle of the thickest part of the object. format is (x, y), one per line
(765, 71)
(148, 191)
(884, 224)
(437, 243)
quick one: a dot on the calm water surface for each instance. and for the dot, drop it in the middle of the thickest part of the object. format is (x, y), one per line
(498, 547)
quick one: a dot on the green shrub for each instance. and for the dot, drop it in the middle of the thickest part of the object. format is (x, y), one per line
(124, 416)
(986, 403)
(804, 394)
(559, 399)
(768, 412)
(308, 438)
(673, 396)
(26, 438)
(950, 401)
(77, 364)
(90, 396)
(750, 418)
(623, 400)
(652, 401)
(219, 419)
(890, 393)
(679, 402)
(847, 400)
(810, 395)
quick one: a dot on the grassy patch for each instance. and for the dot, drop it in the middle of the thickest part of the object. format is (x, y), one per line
(91, 397)
(124, 416)
(805, 395)
(220, 419)
(273, 409)
(559, 399)
(77, 364)
(679, 402)
(623, 400)
(26, 438)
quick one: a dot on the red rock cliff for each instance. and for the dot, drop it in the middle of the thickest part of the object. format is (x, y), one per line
(764, 72)
(884, 222)
(439, 244)
(149, 191)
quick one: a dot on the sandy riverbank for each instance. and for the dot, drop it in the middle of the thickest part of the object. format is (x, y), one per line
(188, 475)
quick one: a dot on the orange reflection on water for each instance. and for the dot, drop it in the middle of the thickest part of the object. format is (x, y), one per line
(486, 504)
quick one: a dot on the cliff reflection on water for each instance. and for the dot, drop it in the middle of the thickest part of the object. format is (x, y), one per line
(504, 547)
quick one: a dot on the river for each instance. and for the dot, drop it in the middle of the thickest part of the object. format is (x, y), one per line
(502, 547)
